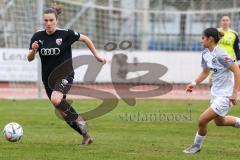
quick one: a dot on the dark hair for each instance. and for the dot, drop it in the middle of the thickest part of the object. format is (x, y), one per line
(213, 32)
(56, 9)
(225, 15)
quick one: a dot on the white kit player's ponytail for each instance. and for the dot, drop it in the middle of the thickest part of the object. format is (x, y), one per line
(214, 33)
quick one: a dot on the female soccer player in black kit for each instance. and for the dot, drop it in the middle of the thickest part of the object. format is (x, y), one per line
(54, 47)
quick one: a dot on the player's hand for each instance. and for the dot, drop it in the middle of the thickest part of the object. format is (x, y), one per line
(102, 60)
(233, 99)
(35, 46)
(189, 88)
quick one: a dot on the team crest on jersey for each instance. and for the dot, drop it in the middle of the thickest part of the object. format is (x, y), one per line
(214, 60)
(59, 41)
(229, 37)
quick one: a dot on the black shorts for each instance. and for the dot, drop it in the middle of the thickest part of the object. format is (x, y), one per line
(63, 86)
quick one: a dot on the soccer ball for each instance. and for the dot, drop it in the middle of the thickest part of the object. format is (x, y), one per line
(13, 132)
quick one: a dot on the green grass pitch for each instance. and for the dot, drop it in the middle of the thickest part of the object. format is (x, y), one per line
(126, 133)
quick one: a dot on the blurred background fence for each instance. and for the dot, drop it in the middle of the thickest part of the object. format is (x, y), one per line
(170, 29)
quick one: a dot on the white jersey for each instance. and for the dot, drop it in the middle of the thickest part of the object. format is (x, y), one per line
(218, 61)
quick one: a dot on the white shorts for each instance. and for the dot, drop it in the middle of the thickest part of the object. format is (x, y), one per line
(220, 105)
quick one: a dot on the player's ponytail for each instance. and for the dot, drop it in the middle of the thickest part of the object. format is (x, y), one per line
(214, 33)
(56, 9)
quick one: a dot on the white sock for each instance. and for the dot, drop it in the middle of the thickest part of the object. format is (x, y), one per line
(198, 139)
(237, 124)
(79, 118)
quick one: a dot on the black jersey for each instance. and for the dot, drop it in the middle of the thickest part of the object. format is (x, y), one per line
(54, 49)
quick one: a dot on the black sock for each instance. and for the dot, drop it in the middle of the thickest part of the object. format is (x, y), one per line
(72, 115)
(73, 124)
(67, 109)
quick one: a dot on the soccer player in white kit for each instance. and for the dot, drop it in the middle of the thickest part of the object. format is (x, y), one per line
(225, 85)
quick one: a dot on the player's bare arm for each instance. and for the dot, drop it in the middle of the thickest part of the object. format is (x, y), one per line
(33, 51)
(92, 48)
(201, 77)
(236, 72)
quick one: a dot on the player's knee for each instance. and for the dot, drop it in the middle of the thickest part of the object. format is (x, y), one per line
(56, 101)
(202, 122)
